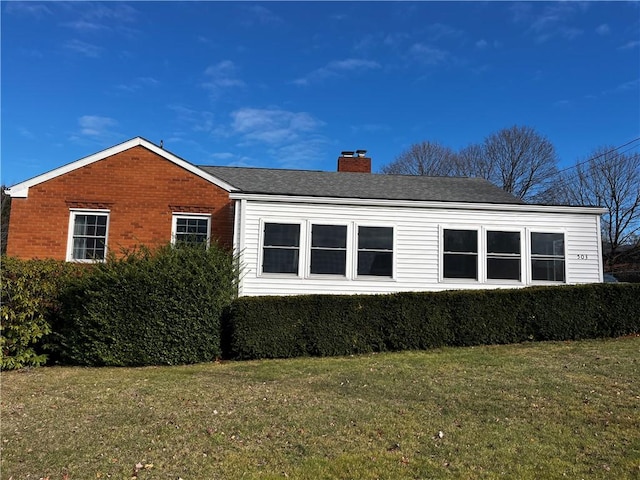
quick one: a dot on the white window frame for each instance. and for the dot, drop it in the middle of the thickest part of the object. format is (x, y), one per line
(348, 249)
(195, 216)
(72, 221)
(530, 257)
(302, 248)
(356, 251)
(485, 255)
(480, 241)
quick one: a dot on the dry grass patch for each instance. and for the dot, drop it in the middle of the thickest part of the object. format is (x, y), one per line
(539, 410)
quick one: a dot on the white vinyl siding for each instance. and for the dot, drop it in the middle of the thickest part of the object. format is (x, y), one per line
(417, 247)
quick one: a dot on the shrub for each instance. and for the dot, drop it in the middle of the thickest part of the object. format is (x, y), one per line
(267, 327)
(30, 293)
(149, 308)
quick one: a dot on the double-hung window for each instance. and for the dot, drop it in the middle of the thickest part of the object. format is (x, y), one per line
(460, 254)
(281, 248)
(88, 235)
(191, 229)
(547, 257)
(328, 249)
(375, 251)
(503, 255)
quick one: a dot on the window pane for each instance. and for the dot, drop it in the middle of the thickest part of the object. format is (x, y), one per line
(503, 242)
(549, 270)
(80, 225)
(329, 236)
(375, 238)
(461, 241)
(547, 244)
(89, 237)
(328, 261)
(460, 266)
(191, 230)
(281, 234)
(280, 260)
(79, 248)
(375, 263)
(503, 268)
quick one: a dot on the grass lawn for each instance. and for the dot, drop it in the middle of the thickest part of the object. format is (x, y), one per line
(537, 410)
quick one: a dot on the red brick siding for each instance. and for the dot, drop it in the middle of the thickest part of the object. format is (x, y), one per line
(354, 164)
(141, 190)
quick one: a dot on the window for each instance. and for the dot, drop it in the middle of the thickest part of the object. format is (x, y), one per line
(191, 229)
(88, 235)
(547, 257)
(503, 255)
(281, 248)
(375, 251)
(460, 254)
(328, 249)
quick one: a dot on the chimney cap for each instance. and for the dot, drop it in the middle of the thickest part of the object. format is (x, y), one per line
(347, 153)
(361, 153)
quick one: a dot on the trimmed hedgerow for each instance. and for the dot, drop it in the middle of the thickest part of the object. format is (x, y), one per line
(159, 307)
(30, 297)
(323, 325)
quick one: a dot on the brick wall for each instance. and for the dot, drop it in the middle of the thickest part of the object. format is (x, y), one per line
(141, 190)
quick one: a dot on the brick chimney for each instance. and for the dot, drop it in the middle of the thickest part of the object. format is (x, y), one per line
(354, 162)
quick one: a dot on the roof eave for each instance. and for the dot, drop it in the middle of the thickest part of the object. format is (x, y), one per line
(517, 207)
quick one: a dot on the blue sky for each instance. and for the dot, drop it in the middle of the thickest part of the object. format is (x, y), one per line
(292, 84)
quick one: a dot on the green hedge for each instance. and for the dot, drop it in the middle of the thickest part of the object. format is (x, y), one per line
(323, 325)
(30, 297)
(148, 308)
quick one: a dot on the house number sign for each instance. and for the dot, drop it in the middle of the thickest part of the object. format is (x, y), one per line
(582, 256)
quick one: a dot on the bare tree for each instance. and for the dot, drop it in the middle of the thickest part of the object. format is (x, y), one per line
(611, 180)
(426, 158)
(517, 159)
(5, 209)
(522, 161)
(472, 162)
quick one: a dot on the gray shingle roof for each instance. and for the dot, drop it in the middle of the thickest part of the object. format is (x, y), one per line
(361, 185)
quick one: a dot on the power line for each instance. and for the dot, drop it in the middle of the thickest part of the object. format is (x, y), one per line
(600, 155)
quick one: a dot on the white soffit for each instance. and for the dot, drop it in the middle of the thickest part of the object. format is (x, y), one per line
(21, 190)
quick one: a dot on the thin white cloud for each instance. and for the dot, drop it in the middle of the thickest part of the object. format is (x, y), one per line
(603, 29)
(630, 45)
(548, 21)
(221, 76)
(337, 68)
(33, 9)
(120, 12)
(428, 54)
(261, 15)
(562, 104)
(96, 18)
(198, 121)
(482, 43)
(222, 156)
(84, 48)
(85, 26)
(272, 126)
(437, 31)
(26, 133)
(95, 126)
(630, 85)
(138, 84)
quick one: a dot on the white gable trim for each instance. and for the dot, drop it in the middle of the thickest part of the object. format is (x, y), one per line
(21, 190)
(502, 207)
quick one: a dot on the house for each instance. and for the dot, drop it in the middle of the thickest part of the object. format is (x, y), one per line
(300, 232)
